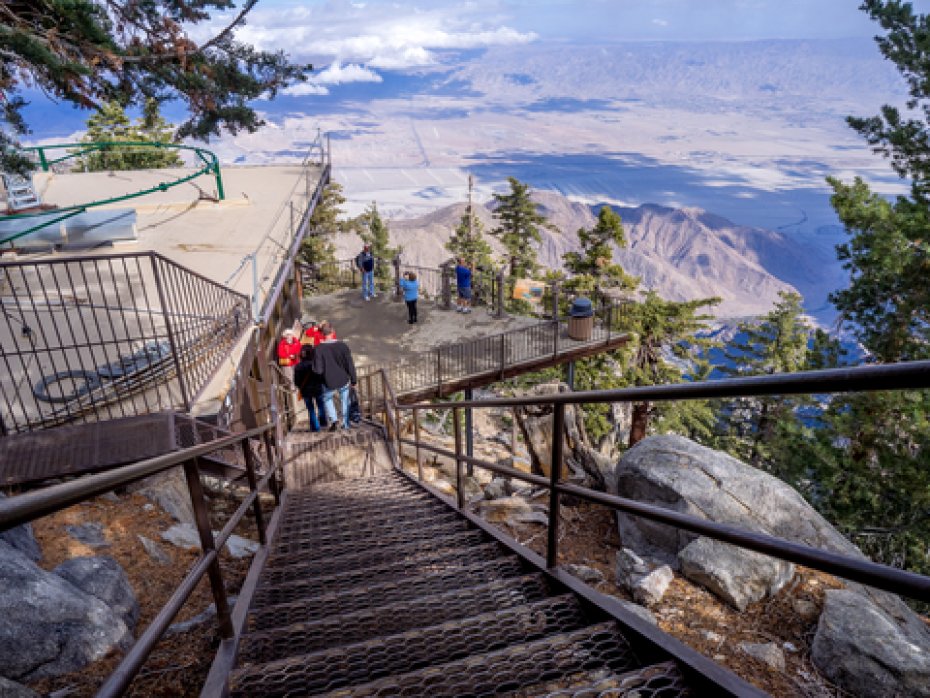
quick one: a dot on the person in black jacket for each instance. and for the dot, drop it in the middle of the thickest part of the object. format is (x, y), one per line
(310, 386)
(332, 361)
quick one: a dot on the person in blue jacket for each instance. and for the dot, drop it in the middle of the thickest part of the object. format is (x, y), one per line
(411, 289)
(463, 284)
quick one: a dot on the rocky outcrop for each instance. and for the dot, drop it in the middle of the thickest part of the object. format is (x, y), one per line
(739, 577)
(860, 647)
(11, 689)
(678, 474)
(186, 536)
(582, 463)
(48, 626)
(169, 491)
(22, 539)
(103, 578)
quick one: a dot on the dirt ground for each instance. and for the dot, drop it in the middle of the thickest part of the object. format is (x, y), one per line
(699, 619)
(179, 664)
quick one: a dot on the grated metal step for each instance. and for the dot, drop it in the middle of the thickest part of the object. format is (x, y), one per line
(380, 511)
(367, 528)
(358, 557)
(508, 671)
(655, 681)
(429, 561)
(390, 618)
(410, 651)
(367, 596)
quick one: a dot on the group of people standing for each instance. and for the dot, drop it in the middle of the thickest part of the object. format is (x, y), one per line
(320, 366)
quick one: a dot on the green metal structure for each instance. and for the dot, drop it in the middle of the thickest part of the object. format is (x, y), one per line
(210, 164)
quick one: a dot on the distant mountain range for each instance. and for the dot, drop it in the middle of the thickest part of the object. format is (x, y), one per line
(681, 253)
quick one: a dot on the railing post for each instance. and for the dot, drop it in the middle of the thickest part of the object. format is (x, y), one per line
(253, 486)
(416, 437)
(446, 288)
(371, 397)
(396, 263)
(558, 439)
(469, 435)
(207, 544)
(503, 355)
(610, 318)
(274, 483)
(160, 289)
(459, 489)
(500, 293)
(439, 371)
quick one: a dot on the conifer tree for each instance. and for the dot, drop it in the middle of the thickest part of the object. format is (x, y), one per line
(776, 343)
(520, 222)
(662, 330)
(326, 222)
(375, 232)
(90, 52)
(111, 124)
(467, 241)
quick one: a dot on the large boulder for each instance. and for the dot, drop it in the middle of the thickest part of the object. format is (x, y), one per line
(22, 539)
(170, 492)
(48, 626)
(11, 689)
(581, 462)
(678, 474)
(739, 577)
(103, 578)
(861, 648)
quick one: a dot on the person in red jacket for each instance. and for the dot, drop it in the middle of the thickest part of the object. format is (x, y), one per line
(289, 353)
(313, 335)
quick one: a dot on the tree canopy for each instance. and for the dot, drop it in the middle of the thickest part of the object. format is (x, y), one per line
(520, 222)
(91, 52)
(112, 124)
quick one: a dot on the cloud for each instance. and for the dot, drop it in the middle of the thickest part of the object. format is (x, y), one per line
(338, 74)
(304, 88)
(378, 35)
(660, 22)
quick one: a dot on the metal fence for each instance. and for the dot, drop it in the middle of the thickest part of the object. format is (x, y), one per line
(436, 283)
(106, 336)
(489, 356)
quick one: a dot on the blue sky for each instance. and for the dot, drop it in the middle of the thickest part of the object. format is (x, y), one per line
(357, 40)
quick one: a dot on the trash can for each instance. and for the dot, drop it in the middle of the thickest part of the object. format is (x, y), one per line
(581, 319)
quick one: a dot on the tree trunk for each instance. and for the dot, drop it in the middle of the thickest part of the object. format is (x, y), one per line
(639, 422)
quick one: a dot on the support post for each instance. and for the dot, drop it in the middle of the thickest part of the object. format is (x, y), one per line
(439, 371)
(469, 433)
(253, 486)
(503, 355)
(207, 544)
(416, 437)
(160, 289)
(558, 441)
(570, 377)
(457, 430)
(276, 483)
(42, 159)
(446, 288)
(396, 263)
(220, 191)
(500, 293)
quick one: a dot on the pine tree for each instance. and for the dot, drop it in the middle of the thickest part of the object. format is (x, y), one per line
(111, 124)
(468, 242)
(90, 52)
(776, 343)
(375, 233)
(520, 222)
(663, 330)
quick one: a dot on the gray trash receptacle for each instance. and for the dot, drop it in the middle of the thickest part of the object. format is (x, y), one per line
(581, 319)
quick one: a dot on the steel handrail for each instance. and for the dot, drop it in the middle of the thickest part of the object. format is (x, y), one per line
(911, 375)
(23, 508)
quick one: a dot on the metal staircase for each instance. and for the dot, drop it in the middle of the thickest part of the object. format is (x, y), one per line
(376, 587)
(20, 194)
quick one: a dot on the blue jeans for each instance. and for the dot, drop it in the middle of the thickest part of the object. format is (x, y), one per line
(343, 404)
(368, 284)
(315, 409)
